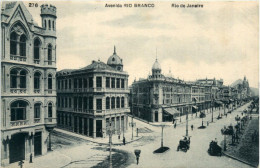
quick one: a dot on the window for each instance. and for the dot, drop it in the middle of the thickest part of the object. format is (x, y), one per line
(62, 84)
(69, 102)
(36, 49)
(66, 84)
(75, 83)
(49, 81)
(113, 83)
(37, 76)
(13, 78)
(99, 82)
(117, 102)
(85, 83)
(49, 54)
(66, 102)
(122, 83)
(53, 25)
(13, 43)
(99, 104)
(22, 79)
(112, 102)
(18, 110)
(107, 82)
(80, 102)
(37, 108)
(23, 45)
(58, 84)
(58, 98)
(122, 102)
(80, 83)
(50, 110)
(108, 103)
(62, 102)
(75, 102)
(90, 82)
(69, 83)
(117, 83)
(49, 25)
(90, 103)
(85, 102)
(45, 24)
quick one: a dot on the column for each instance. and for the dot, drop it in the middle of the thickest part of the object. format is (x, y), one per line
(94, 128)
(115, 125)
(83, 125)
(88, 126)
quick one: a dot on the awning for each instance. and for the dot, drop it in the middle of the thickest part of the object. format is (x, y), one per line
(172, 111)
(195, 107)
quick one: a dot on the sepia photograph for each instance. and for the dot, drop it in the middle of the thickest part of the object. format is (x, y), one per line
(116, 84)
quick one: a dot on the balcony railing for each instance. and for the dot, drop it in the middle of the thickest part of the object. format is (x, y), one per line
(36, 90)
(50, 120)
(18, 90)
(36, 61)
(37, 120)
(19, 123)
(18, 58)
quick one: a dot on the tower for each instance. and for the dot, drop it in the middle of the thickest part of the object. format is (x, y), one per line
(48, 14)
(156, 69)
(115, 61)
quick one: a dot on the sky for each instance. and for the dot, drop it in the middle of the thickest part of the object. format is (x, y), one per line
(219, 40)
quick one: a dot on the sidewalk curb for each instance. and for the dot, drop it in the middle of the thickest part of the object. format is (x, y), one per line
(240, 160)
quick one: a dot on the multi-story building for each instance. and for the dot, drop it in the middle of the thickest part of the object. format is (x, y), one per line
(28, 102)
(91, 98)
(162, 97)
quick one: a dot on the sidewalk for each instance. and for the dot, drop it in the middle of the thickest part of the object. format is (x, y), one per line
(50, 160)
(105, 141)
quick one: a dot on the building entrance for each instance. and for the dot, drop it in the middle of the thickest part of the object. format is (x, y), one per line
(156, 116)
(17, 147)
(99, 128)
(38, 143)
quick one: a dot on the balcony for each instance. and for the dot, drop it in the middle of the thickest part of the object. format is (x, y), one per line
(37, 120)
(18, 58)
(19, 123)
(36, 61)
(50, 123)
(18, 90)
(36, 90)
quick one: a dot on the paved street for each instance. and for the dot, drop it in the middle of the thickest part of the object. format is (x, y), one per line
(197, 156)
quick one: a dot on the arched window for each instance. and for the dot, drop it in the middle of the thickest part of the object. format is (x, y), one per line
(49, 54)
(112, 102)
(118, 102)
(50, 81)
(13, 78)
(108, 103)
(37, 110)
(22, 79)
(18, 110)
(23, 45)
(49, 25)
(37, 76)
(122, 102)
(50, 110)
(13, 43)
(37, 49)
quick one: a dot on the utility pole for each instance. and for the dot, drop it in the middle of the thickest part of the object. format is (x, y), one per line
(187, 129)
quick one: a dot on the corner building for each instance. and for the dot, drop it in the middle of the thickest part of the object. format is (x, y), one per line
(28, 102)
(91, 98)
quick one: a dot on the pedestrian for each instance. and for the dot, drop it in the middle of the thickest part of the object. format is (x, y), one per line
(207, 123)
(175, 125)
(137, 160)
(124, 140)
(21, 164)
(31, 158)
(191, 127)
(237, 138)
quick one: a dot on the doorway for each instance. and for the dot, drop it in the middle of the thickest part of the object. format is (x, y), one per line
(38, 144)
(17, 147)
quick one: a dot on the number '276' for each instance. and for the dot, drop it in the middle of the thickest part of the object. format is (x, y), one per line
(33, 4)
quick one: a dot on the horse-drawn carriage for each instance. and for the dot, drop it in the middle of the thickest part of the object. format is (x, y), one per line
(214, 149)
(228, 131)
(184, 144)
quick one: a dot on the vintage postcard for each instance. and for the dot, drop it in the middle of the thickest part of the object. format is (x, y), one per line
(149, 84)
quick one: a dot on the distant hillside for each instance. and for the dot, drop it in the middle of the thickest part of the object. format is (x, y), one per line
(255, 91)
(239, 81)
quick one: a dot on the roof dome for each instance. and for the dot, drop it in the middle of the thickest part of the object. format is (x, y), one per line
(114, 59)
(156, 65)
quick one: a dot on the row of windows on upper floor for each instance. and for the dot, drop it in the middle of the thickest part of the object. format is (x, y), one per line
(19, 110)
(19, 77)
(86, 103)
(50, 26)
(18, 45)
(88, 83)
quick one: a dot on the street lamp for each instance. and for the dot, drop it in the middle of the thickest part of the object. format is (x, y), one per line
(212, 103)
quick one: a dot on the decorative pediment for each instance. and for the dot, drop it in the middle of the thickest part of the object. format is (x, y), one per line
(18, 15)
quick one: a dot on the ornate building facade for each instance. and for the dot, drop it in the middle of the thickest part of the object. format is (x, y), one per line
(28, 88)
(93, 97)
